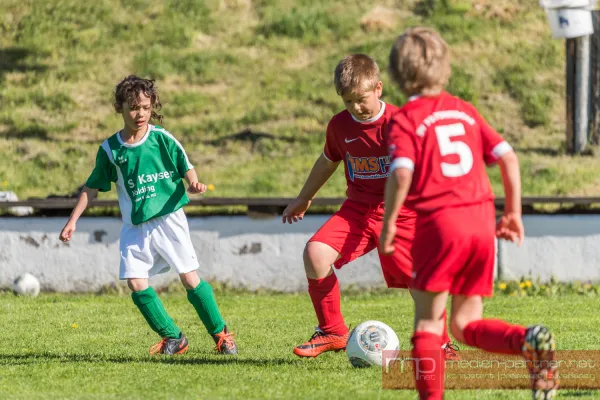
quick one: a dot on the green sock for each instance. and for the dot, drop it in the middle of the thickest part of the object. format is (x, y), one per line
(203, 300)
(155, 314)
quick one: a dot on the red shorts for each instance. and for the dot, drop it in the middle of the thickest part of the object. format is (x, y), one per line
(354, 231)
(455, 250)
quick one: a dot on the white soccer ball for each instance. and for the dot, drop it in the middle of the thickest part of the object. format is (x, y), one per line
(26, 285)
(368, 341)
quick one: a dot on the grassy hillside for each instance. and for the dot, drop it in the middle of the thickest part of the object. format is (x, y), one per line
(225, 66)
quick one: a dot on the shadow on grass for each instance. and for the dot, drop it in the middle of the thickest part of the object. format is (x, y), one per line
(30, 132)
(30, 359)
(16, 59)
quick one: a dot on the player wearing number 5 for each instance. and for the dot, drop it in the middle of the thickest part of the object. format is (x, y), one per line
(440, 146)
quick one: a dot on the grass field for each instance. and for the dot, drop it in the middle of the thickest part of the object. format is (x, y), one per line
(224, 66)
(94, 347)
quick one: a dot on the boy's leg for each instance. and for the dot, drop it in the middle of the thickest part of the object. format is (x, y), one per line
(429, 357)
(324, 291)
(145, 298)
(535, 343)
(493, 335)
(171, 239)
(324, 288)
(343, 238)
(202, 297)
(137, 261)
(200, 294)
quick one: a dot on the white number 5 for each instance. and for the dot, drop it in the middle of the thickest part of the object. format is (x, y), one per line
(447, 147)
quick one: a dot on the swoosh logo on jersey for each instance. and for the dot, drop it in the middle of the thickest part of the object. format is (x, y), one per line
(351, 140)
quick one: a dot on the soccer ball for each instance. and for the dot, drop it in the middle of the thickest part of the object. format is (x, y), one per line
(26, 285)
(368, 341)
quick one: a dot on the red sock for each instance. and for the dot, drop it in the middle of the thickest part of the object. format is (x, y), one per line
(429, 365)
(445, 337)
(495, 336)
(325, 296)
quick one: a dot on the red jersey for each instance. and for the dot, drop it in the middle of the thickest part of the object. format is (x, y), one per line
(362, 147)
(447, 144)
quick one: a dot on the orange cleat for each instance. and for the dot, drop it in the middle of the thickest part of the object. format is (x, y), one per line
(224, 342)
(170, 346)
(320, 342)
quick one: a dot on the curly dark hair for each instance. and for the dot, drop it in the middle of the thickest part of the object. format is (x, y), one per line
(128, 91)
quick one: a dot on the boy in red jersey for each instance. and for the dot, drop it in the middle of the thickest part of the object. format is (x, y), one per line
(440, 146)
(355, 137)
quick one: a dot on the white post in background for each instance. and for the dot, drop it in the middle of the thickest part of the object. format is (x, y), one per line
(582, 93)
(572, 20)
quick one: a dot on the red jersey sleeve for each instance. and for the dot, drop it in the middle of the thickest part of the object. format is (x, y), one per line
(332, 150)
(402, 144)
(494, 145)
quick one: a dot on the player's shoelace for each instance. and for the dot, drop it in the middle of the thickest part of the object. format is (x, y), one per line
(157, 348)
(451, 349)
(225, 338)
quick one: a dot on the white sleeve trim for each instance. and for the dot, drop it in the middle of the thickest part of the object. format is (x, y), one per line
(402, 162)
(327, 158)
(501, 149)
(187, 160)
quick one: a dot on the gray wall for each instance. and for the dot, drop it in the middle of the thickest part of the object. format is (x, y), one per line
(265, 253)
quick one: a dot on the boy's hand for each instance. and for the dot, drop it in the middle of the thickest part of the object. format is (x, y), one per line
(510, 227)
(196, 187)
(294, 212)
(67, 233)
(386, 240)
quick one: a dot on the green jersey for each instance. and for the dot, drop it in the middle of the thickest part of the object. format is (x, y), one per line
(148, 174)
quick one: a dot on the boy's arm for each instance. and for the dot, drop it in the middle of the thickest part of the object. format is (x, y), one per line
(87, 194)
(192, 179)
(396, 190)
(320, 173)
(510, 225)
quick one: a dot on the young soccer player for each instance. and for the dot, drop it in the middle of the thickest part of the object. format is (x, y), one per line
(148, 166)
(354, 137)
(440, 146)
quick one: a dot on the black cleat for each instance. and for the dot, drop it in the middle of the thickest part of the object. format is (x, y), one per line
(170, 346)
(225, 344)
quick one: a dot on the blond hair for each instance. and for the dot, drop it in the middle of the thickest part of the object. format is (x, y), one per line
(356, 73)
(420, 62)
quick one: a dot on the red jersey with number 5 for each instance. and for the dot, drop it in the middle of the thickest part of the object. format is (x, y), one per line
(447, 144)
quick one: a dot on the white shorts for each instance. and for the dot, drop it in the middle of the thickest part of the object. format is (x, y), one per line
(153, 247)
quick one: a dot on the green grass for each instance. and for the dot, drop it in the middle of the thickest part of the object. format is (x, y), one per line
(44, 355)
(224, 66)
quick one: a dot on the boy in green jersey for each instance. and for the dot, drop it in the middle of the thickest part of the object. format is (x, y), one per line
(148, 166)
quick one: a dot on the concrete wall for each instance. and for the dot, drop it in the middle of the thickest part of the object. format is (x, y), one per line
(564, 246)
(265, 253)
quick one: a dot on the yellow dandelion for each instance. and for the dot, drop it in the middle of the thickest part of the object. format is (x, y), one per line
(4, 183)
(528, 284)
(502, 286)
(523, 293)
(75, 326)
(522, 285)
(210, 186)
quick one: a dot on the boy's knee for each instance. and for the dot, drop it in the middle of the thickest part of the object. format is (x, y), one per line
(190, 280)
(457, 327)
(137, 284)
(316, 262)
